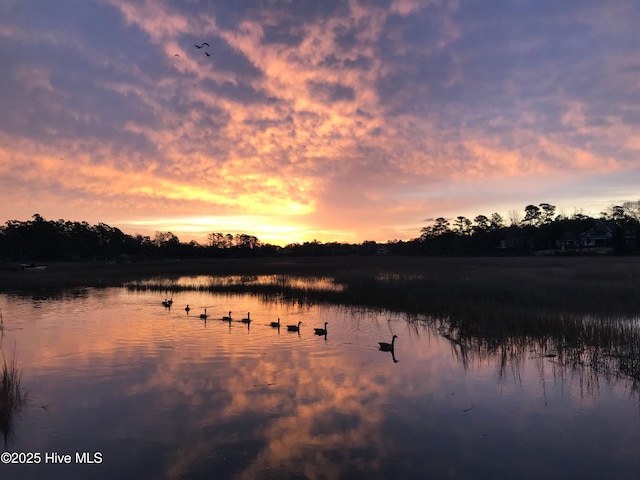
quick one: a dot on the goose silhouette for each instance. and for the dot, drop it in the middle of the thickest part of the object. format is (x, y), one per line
(276, 324)
(388, 347)
(226, 318)
(187, 308)
(204, 315)
(248, 319)
(321, 331)
(294, 328)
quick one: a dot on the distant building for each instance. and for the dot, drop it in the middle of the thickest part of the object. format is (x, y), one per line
(600, 235)
(607, 233)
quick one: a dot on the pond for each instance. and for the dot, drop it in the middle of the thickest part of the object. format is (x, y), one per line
(145, 391)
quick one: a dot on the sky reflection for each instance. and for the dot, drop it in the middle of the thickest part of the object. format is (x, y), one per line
(161, 394)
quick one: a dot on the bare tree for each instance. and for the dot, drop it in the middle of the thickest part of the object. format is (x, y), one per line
(515, 218)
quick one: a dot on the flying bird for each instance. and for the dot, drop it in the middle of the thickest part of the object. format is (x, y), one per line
(176, 55)
(202, 45)
(207, 54)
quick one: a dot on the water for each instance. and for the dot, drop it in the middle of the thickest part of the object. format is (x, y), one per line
(159, 393)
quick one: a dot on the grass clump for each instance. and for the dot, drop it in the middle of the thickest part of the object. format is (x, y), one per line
(13, 396)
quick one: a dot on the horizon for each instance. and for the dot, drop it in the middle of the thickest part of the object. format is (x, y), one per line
(203, 241)
(342, 121)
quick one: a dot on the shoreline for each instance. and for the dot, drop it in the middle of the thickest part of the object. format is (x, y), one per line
(103, 274)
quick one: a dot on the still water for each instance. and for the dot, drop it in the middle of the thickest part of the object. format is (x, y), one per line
(160, 393)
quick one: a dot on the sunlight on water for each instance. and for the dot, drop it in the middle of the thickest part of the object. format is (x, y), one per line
(162, 393)
(202, 282)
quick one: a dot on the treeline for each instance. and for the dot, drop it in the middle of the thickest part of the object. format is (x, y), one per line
(40, 239)
(538, 230)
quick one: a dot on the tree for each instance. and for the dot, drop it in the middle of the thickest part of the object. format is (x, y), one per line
(482, 224)
(162, 238)
(632, 210)
(547, 213)
(462, 226)
(515, 218)
(216, 240)
(496, 221)
(532, 215)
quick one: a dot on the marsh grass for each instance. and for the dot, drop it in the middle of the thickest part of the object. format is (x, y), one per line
(585, 312)
(492, 293)
(13, 397)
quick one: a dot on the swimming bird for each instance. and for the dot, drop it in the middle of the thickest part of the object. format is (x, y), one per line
(276, 324)
(248, 319)
(321, 331)
(294, 328)
(388, 347)
(204, 315)
(226, 318)
(187, 308)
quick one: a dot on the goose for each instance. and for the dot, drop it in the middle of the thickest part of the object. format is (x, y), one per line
(321, 331)
(226, 318)
(187, 308)
(204, 315)
(294, 328)
(388, 347)
(207, 54)
(248, 319)
(276, 324)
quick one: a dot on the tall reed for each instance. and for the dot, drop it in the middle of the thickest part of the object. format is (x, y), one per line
(13, 396)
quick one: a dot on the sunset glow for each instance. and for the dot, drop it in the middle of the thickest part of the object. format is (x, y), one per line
(334, 120)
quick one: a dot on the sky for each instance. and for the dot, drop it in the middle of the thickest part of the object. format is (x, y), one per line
(329, 120)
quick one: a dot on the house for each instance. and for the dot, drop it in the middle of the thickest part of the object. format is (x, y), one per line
(608, 233)
(600, 235)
